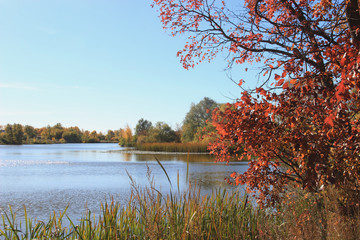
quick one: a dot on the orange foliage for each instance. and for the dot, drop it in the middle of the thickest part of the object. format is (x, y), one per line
(301, 128)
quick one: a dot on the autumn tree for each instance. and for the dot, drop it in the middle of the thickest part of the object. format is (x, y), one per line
(94, 137)
(298, 125)
(85, 136)
(45, 132)
(126, 137)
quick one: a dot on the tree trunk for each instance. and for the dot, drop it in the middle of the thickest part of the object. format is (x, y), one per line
(353, 19)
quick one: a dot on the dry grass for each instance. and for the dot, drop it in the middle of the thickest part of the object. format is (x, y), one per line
(304, 215)
(189, 215)
(173, 147)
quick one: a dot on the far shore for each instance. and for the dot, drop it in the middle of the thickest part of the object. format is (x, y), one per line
(134, 151)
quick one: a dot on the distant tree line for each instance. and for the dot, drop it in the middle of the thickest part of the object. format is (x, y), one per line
(196, 128)
(19, 134)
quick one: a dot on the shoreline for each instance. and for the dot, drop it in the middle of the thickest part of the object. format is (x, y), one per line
(134, 151)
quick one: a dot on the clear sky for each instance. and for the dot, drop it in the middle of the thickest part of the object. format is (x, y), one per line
(98, 65)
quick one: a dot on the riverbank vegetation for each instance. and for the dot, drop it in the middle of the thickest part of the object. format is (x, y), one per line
(19, 134)
(221, 215)
(195, 132)
(173, 147)
(195, 129)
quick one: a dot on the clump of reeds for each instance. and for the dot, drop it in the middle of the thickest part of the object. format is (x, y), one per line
(149, 214)
(305, 215)
(173, 147)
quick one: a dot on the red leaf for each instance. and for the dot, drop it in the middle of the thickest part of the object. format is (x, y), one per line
(329, 120)
(280, 82)
(342, 62)
(286, 85)
(341, 87)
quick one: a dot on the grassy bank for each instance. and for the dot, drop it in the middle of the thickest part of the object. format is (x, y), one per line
(173, 147)
(223, 215)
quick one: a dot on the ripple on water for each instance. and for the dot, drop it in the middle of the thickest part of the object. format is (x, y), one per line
(16, 163)
(40, 204)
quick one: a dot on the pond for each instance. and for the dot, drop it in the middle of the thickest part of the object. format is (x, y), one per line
(47, 178)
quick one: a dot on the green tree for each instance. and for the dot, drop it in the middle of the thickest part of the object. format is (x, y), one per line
(142, 127)
(13, 134)
(85, 136)
(142, 130)
(196, 118)
(29, 133)
(110, 136)
(56, 131)
(71, 136)
(161, 132)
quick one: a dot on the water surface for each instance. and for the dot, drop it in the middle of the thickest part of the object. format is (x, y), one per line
(47, 178)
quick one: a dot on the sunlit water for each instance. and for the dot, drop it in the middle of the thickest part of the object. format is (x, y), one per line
(47, 178)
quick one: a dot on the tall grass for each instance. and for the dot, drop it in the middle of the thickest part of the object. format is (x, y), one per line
(150, 215)
(188, 215)
(173, 147)
(304, 215)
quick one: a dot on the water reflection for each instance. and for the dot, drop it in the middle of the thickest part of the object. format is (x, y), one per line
(127, 157)
(130, 155)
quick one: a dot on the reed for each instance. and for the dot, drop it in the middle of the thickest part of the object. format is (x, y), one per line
(149, 214)
(304, 215)
(173, 147)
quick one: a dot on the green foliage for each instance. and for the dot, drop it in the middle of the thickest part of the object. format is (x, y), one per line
(29, 133)
(161, 132)
(57, 131)
(17, 134)
(197, 119)
(71, 137)
(143, 127)
(13, 134)
(110, 136)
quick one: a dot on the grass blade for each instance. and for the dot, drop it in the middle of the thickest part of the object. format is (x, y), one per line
(162, 167)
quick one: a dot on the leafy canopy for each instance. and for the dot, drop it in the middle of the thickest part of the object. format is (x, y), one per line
(299, 125)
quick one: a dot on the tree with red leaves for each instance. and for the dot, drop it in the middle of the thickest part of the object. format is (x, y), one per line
(299, 125)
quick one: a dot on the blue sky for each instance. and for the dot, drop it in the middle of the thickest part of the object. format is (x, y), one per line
(98, 65)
